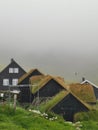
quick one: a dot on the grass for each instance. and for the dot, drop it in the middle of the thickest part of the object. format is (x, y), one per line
(47, 106)
(24, 120)
(89, 120)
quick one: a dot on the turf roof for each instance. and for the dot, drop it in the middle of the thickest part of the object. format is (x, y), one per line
(26, 75)
(59, 97)
(84, 91)
(42, 81)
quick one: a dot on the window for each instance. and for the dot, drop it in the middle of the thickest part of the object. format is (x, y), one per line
(14, 81)
(5, 82)
(16, 70)
(11, 70)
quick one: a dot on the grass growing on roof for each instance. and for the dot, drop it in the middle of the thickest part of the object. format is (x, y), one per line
(47, 106)
(83, 91)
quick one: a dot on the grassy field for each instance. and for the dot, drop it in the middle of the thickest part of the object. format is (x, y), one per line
(25, 120)
(22, 119)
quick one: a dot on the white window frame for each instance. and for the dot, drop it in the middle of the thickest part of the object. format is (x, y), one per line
(11, 70)
(5, 82)
(16, 70)
(14, 82)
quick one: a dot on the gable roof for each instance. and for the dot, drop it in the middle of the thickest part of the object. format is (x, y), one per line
(27, 75)
(59, 97)
(84, 91)
(13, 61)
(42, 81)
(87, 81)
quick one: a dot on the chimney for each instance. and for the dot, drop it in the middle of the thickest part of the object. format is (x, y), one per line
(83, 79)
(12, 60)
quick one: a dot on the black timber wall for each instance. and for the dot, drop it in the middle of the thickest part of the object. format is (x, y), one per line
(25, 95)
(96, 92)
(6, 75)
(50, 89)
(26, 80)
(68, 107)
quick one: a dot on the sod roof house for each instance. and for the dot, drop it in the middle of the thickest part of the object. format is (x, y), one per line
(95, 87)
(25, 95)
(65, 103)
(47, 86)
(84, 91)
(10, 74)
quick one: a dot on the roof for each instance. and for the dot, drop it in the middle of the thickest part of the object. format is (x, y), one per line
(42, 81)
(54, 100)
(27, 74)
(87, 81)
(13, 61)
(59, 97)
(84, 91)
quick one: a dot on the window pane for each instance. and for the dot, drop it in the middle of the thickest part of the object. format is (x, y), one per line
(5, 82)
(11, 70)
(14, 81)
(16, 70)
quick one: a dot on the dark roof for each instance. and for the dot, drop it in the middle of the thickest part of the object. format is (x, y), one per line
(13, 61)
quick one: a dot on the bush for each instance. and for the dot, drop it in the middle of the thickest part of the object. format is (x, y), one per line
(85, 116)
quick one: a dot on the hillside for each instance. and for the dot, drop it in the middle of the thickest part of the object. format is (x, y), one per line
(22, 119)
(25, 120)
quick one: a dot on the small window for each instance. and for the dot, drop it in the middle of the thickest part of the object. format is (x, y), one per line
(14, 81)
(11, 70)
(5, 82)
(16, 70)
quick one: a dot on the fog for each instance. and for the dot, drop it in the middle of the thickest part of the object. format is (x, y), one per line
(56, 36)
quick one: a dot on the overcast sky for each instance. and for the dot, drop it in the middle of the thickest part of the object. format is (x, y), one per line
(59, 37)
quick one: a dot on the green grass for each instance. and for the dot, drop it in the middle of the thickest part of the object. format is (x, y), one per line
(24, 120)
(89, 120)
(47, 106)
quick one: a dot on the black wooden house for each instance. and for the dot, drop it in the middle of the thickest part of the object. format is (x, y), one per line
(67, 105)
(25, 95)
(47, 86)
(10, 74)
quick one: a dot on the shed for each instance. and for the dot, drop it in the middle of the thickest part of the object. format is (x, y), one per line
(25, 95)
(47, 86)
(66, 104)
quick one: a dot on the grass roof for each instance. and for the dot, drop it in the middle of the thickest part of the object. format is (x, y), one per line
(84, 91)
(26, 75)
(59, 97)
(40, 82)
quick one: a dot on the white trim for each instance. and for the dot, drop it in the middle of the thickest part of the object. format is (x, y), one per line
(89, 83)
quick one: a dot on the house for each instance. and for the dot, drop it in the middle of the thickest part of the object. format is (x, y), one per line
(66, 104)
(84, 91)
(95, 87)
(10, 74)
(25, 95)
(46, 86)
